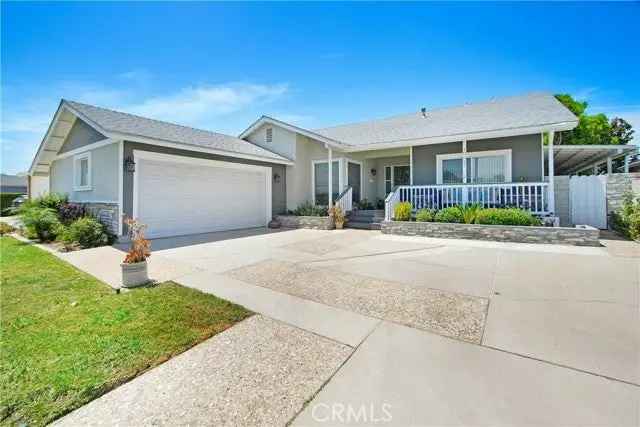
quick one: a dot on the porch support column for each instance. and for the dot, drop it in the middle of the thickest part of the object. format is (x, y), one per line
(609, 165)
(330, 160)
(595, 169)
(552, 196)
(465, 196)
(411, 165)
(626, 163)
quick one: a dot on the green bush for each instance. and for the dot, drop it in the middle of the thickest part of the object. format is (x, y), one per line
(451, 214)
(307, 209)
(507, 216)
(425, 215)
(469, 213)
(402, 211)
(41, 222)
(6, 228)
(627, 219)
(49, 201)
(86, 232)
(5, 201)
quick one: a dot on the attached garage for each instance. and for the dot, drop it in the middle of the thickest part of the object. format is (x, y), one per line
(177, 195)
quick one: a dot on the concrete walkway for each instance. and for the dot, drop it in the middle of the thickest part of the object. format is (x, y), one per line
(559, 345)
(259, 372)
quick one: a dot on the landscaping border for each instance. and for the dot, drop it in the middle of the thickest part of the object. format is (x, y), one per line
(578, 236)
(314, 222)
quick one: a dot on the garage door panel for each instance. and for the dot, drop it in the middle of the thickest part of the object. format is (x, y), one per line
(180, 198)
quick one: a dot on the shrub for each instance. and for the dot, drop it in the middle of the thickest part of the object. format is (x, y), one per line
(451, 214)
(627, 219)
(41, 222)
(6, 228)
(5, 202)
(469, 213)
(507, 216)
(425, 215)
(69, 212)
(307, 209)
(86, 232)
(364, 204)
(402, 211)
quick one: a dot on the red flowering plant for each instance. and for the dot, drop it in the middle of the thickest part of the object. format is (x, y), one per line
(140, 248)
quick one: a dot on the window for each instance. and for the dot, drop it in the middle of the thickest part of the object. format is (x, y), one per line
(269, 135)
(82, 172)
(321, 182)
(482, 167)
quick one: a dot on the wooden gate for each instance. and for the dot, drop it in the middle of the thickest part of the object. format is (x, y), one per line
(588, 200)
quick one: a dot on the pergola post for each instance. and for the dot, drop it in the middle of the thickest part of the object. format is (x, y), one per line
(330, 159)
(627, 158)
(551, 195)
(595, 169)
(609, 165)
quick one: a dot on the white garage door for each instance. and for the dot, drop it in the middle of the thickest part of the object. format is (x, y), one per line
(176, 195)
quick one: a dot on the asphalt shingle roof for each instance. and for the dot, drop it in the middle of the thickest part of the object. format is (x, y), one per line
(534, 109)
(130, 124)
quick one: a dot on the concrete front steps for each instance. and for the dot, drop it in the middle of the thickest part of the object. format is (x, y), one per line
(365, 219)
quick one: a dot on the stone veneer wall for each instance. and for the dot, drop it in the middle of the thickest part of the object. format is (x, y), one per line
(106, 213)
(500, 233)
(617, 185)
(315, 222)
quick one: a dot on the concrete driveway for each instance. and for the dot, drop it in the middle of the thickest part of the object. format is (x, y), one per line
(441, 331)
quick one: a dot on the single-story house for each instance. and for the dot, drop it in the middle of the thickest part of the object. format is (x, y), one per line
(13, 184)
(180, 180)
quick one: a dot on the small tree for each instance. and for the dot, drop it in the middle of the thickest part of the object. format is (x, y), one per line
(621, 131)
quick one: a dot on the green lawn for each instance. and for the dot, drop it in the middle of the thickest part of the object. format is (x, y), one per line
(67, 338)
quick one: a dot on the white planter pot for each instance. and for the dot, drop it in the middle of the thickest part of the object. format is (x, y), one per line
(134, 274)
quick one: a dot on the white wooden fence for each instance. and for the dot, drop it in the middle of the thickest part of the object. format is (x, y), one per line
(588, 200)
(531, 196)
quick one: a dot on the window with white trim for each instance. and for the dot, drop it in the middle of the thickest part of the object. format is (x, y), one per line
(482, 167)
(82, 172)
(269, 135)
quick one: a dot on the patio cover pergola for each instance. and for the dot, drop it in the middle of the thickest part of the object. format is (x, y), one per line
(573, 159)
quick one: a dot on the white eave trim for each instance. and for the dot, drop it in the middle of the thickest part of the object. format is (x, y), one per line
(292, 128)
(196, 148)
(500, 133)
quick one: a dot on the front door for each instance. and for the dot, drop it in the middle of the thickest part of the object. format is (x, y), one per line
(395, 176)
(354, 180)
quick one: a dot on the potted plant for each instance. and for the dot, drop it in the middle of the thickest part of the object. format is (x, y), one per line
(134, 266)
(338, 217)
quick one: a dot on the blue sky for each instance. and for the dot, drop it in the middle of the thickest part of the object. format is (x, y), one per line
(219, 66)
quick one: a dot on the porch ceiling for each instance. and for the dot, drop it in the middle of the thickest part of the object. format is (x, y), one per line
(573, 158)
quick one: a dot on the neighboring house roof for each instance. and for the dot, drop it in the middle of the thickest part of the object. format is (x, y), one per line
(13, 180)
(111, 121)
(503, 114)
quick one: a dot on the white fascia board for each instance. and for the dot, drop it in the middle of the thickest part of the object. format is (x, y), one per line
(36, 158)
(292, 128)
(187, 147)
(500, 133)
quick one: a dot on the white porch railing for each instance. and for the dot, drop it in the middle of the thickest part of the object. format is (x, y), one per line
(532, 196)
(345, 200)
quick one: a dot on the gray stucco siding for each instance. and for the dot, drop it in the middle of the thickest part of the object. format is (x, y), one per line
(424, 161)
(104, 176)
(526, 157)
(81, 134)
(278, 189)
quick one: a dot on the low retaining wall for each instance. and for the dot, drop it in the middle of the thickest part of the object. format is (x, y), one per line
(587, 236)
(315, 222)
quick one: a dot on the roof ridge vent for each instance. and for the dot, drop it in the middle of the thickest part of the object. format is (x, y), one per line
(423, 110)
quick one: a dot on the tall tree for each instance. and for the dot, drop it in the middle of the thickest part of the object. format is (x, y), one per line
(621, 131)
(594, 128)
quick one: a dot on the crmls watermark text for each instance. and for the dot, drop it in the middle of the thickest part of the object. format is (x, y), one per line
(348, 413)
